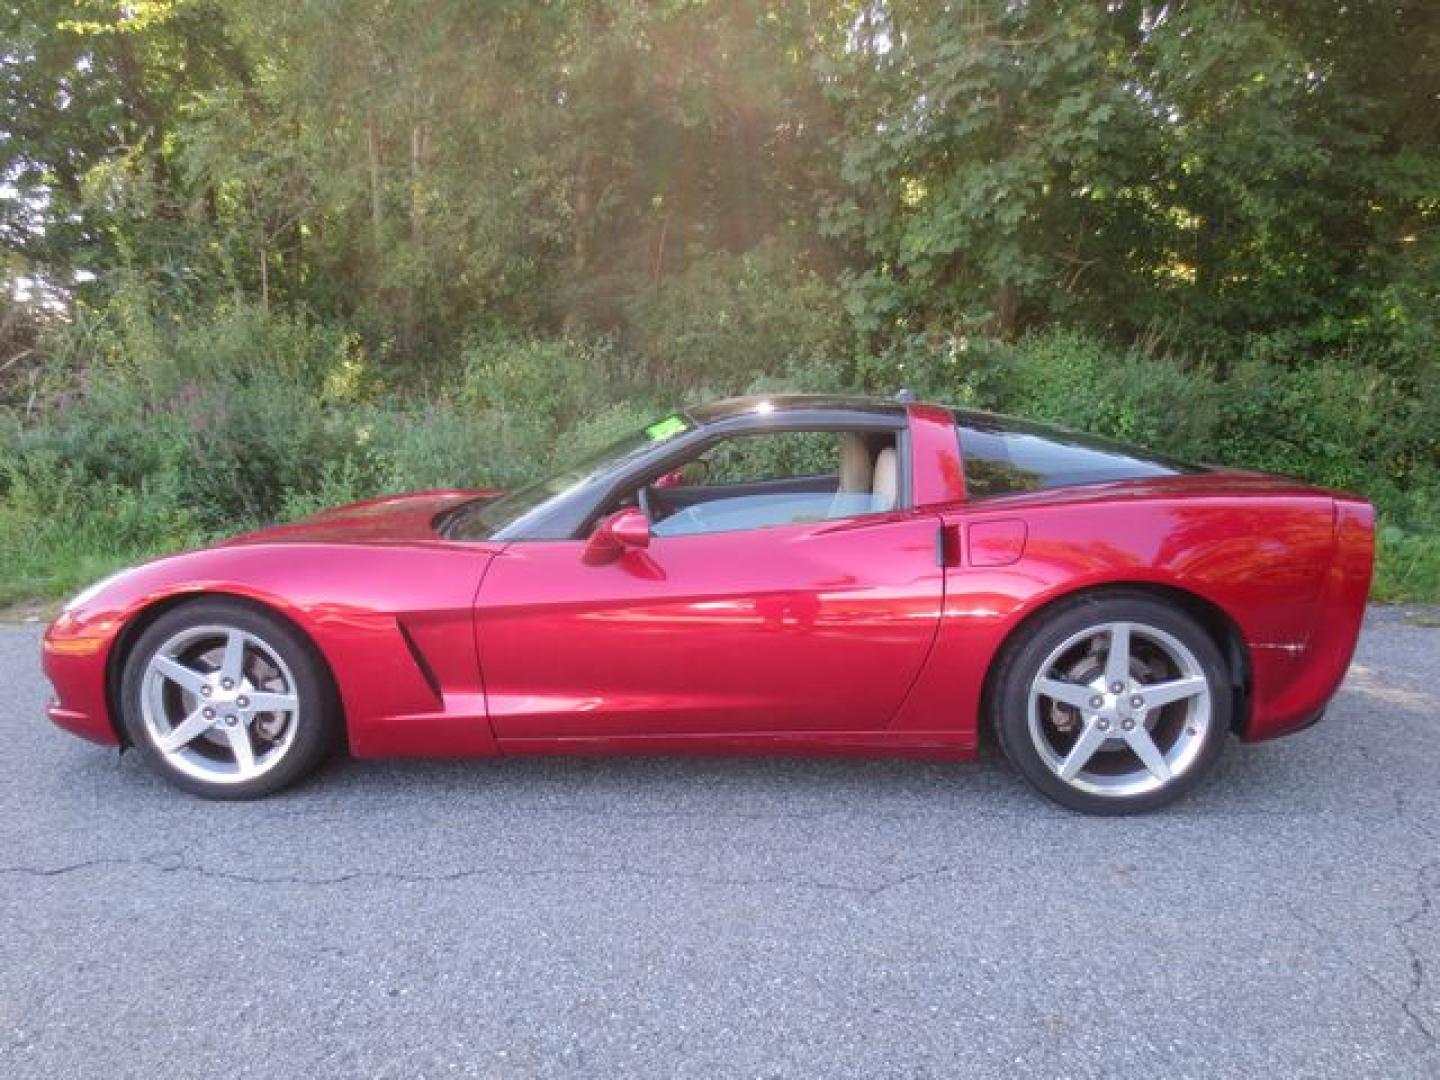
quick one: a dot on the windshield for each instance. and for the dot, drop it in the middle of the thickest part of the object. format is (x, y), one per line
(483, 519)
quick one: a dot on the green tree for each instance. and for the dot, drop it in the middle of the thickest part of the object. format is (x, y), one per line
(94, 95)
(1204, 169)
(995, 156)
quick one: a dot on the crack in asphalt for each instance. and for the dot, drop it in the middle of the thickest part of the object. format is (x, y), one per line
(1417, 972)
(166, 865)
(1423, 909)
(1383, 990)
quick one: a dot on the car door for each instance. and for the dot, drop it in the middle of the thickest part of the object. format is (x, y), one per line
(808, 627)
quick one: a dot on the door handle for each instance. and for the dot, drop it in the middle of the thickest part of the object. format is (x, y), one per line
(947, 545)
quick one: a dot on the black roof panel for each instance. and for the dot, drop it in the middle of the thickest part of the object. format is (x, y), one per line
(728, 409)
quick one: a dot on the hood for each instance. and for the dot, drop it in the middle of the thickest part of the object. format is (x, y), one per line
(392, 519)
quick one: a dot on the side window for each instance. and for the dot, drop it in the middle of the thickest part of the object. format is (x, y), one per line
(990, 468)
(1004, 457)
(751, 459)
(776, 478)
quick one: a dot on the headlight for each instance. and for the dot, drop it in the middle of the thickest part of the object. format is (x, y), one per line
(89, 593)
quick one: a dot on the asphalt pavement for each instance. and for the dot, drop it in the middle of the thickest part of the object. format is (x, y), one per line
(730, 917)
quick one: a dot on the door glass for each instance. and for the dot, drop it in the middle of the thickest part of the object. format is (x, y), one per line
(780, 478)
(751, 459)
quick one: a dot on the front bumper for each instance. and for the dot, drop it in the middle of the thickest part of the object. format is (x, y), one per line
(74, 660)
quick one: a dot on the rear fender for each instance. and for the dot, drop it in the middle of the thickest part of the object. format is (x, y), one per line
(1261, 563)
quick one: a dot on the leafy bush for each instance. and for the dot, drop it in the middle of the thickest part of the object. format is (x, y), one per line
(1070, 379)
(137, 443)
(1345, 426)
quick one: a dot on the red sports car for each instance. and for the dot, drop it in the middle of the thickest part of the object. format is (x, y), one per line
(765, 575)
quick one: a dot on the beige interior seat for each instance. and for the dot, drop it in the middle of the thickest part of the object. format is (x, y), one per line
(885, 485)
(857, 476)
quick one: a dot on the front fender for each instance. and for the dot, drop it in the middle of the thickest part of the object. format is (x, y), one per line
(394, 624)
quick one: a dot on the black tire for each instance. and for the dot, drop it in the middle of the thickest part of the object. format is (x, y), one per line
(316, 721)
(1020, 666)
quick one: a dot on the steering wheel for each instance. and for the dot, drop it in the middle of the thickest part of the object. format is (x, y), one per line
(643, 498)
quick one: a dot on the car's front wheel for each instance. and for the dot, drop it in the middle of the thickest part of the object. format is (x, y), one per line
(1113, 704)
(226, 701)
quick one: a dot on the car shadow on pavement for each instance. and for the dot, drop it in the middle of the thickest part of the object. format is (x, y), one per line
(986, 786)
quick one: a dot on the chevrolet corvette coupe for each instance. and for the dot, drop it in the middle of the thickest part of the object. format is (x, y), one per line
(793, 575)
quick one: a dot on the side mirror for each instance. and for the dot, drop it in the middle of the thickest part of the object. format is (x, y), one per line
(622, 531)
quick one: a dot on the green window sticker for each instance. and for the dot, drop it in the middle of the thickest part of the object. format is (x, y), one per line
(664, 429)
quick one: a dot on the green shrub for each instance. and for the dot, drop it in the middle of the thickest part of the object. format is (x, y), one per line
(146, 435)
(138, 337)
(1351, 427)
(727, 319)
(1067, 378)
(528, 380)
(58, 535)
(606, 425)
(1407, 565)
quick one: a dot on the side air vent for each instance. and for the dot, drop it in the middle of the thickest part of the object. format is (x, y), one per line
(426, 672)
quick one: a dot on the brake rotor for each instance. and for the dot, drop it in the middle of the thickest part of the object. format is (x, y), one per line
(270, 726)
(1085, 670)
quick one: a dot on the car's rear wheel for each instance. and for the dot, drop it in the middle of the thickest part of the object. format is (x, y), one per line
(1113, 704)
(226, 701)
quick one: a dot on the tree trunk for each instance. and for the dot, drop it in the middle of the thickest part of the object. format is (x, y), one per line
(660, 249)
(294, 257)
(584, 211)
(410, 318)
(581, 235)
(1006, 304)
(372, 149)
(419, 140)
(264, 269)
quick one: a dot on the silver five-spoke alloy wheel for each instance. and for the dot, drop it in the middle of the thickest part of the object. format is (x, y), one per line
(220, 704)
(1120, 709)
